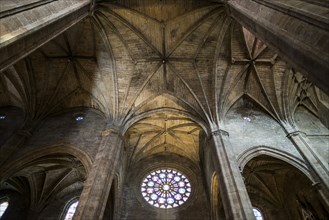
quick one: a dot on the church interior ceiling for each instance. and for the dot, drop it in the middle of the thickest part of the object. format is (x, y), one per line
(164, 132)
(172, 66)
(166, 69)
(129, 58)
(136, 57)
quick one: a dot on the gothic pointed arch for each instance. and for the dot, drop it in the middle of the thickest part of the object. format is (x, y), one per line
(268, 181)
(253, 152)
(53, 173)
(30, 157)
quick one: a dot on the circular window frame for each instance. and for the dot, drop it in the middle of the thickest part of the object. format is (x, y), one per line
(184, 171)
(185, 196)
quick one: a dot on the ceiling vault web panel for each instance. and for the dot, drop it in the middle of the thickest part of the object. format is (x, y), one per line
(164, 132)
(134, 56)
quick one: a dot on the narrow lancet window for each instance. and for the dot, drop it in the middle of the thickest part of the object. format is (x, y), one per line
(258, 214)
(3, 207)
(71, 210)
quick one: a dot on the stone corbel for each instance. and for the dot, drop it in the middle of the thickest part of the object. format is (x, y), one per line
(295, 133)
(317, 185)
(219, 132)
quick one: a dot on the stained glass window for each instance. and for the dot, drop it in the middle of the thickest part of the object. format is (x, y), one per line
(166, 188)
(258, 214)
(3, 207)
(71, 210)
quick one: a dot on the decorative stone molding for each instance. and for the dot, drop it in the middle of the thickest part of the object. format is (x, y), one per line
(295, 133)
(219, 132)
(144, 167)
(286, 157)
(9, 169)
(317, 185)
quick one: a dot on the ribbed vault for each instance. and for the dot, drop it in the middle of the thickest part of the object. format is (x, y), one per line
(163, 132)
(163, 72)
(46, 179)
(269, 184)
(131, 53)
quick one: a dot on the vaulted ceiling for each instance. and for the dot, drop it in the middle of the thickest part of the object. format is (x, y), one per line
(164, 132)
(132, 57)
(46, 179)
(171, 64)
(269, 184)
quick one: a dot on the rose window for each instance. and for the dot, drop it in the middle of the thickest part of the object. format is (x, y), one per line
(166, 188)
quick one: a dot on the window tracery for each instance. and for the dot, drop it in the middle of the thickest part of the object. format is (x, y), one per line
(166, 188)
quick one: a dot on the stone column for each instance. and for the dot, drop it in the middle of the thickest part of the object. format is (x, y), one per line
(318, 169)
(97, 187)
(233, 191)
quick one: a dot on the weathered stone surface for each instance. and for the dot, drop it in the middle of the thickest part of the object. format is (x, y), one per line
(24, 31)
(296, 30)
(139, 85)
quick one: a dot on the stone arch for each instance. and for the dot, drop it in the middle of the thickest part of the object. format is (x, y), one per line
(251, 153)
(147, 114)
(80, 109)
(59, 171)
(167, 100)
(162, 130)
(17, 164)
(269, 176)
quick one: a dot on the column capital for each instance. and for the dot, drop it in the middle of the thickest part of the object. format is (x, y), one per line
(235, 197)
(219, 132)
(94, 196)
(295, 133)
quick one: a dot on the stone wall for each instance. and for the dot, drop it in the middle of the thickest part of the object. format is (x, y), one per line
(257, 129)
(134, 207)
(62, 129)
(14, 118)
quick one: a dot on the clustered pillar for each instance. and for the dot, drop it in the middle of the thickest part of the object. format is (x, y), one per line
(97, 187)
(233, 191)
(318, 169)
